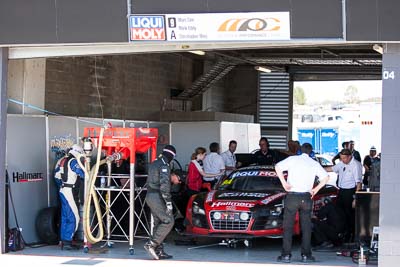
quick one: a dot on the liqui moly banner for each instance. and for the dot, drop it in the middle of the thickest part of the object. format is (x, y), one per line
(146, 28)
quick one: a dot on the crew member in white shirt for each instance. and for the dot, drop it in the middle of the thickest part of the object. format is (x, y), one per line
(302, 170)
(230, 158)
(213, 163)
(349, 172)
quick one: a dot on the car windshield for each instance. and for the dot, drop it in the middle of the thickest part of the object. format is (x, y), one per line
(254, 180)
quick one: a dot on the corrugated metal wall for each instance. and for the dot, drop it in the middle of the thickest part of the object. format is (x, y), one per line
(275, 107)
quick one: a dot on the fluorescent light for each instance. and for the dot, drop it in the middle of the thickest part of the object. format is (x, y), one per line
(378, 48)
(198, 52)
(263, 69)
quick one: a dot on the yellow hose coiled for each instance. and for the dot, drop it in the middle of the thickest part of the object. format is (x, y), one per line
(91, 195)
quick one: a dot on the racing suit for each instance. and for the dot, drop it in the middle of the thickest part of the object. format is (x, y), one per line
(67, 177)
(158, 199)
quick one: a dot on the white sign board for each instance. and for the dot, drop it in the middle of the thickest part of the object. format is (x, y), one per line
(228, 26)
(254, 26)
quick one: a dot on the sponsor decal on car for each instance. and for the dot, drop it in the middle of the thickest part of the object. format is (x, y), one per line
(243, 194)
(227, 181)
(210, 196)
(245, 173)
(253, 173)
(267, 173)
(232, 204)
(272, 198)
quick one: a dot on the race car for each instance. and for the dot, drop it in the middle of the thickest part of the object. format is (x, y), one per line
(248, 203)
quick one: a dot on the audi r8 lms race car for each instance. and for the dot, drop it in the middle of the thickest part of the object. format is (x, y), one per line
(248, 203)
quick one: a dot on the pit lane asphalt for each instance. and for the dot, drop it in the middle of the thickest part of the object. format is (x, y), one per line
(264, 251)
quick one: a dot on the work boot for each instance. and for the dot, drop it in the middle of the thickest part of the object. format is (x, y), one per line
(151, 247)
(307, 258)
(162, 255)
(284, 258)
(67, 245)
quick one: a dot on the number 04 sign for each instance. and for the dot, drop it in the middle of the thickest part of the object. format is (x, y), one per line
(388, 75)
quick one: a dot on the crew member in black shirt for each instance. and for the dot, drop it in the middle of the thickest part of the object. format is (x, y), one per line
(367, 163)
(355, 153)
(337, 156)
(267, 156)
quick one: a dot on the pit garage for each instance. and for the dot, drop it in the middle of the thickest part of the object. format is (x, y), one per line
(69, 69)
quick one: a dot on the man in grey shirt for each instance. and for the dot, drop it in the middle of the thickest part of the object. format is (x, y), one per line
(213, 163)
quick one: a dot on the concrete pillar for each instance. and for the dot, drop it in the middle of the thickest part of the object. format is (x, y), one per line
(26, 83)
(3, 125)
(389, 212)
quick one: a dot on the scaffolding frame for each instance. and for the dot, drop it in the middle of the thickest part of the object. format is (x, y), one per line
(121, 144)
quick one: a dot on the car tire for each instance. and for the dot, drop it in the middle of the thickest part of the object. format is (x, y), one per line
(48, 224)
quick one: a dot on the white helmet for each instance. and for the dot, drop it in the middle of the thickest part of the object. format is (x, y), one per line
(76, 150)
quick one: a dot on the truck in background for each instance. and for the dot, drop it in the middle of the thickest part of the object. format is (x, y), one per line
(325, 140)
(363, 125)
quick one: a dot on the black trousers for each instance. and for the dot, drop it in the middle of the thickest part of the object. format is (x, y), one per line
(297, 202)
(344, 202)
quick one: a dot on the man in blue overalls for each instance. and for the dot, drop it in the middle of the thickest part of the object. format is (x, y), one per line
(68, 174)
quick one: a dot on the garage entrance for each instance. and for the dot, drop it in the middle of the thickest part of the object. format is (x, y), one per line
(59, 32)
(211, 87)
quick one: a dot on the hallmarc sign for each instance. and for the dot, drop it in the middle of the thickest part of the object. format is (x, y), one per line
(25, 177)
(255, 26)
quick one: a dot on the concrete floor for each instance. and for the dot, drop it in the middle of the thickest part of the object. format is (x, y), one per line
(264, 252)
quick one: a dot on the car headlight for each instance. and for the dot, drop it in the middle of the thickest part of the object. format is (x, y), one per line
(277, 210)
(197, 210)
(217, 215)
(244, 216)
